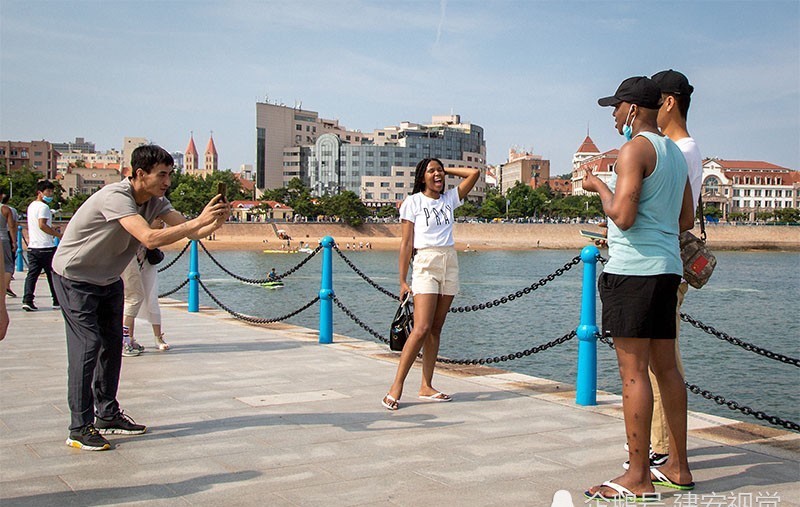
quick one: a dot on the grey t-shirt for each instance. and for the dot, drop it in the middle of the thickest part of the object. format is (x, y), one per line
(95, 247)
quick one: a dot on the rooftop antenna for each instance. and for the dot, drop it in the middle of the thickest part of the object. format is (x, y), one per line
(587, 128)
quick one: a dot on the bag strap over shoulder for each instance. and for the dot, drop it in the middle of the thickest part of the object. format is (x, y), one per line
(701, 217)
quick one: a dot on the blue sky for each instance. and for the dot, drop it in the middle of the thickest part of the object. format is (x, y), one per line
(529, 72)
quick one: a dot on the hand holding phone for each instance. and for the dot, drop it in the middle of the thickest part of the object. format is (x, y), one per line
(222, 189)
(593, 235)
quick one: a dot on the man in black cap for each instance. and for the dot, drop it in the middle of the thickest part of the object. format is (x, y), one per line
(648, 202)
(676, 95)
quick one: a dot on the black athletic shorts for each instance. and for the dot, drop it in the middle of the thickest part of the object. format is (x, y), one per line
(639, 306)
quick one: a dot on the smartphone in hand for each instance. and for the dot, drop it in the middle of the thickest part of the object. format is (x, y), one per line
(593, 235)
(222, 189)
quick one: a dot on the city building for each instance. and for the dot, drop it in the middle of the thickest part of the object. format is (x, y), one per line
(80, 145)
(523, 167)
(744, 187)
(749, 187)
(378, 166)
(601, 164)
(191, 159)
(128, 145)
(178, 158)
(260, 211)
(561, 186)
(87, 180)
(111, 159)
(36, 155)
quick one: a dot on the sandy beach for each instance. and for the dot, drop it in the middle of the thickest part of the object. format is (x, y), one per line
(499, 236)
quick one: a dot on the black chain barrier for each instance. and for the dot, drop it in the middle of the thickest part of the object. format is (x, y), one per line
(365, 277)
(255, 320)
(173, 261)
(487, 360)
(264, 280)
(720, 400)
(741, 343)
(176, 289)
(514, 295)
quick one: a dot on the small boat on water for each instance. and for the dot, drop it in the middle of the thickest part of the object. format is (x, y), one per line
(305, 250)
(280, 251)
(277, 284)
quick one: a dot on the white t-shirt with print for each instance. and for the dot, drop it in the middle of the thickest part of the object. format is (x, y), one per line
(695, 162)
(37, 238)
(432, 218)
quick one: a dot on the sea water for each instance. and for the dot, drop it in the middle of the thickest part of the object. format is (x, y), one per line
(752, 296)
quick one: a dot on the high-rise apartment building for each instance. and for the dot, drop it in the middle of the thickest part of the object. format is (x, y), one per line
(378, 166)
(36, 155)
(80, 145)
(523, 167)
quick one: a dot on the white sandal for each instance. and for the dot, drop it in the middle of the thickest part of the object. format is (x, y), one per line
(160, 343)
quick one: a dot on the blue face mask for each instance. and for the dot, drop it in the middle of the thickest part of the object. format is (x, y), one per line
(48, 199)
(627, 130)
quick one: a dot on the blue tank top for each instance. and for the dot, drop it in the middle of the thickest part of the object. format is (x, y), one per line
(650, 246)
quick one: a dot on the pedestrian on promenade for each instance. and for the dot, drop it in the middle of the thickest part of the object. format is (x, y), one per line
(140, 279)
(99, 242)
(8, 223)
(676, 95)
(427, 227)
(3, 309)
(648, 202)
(41, 244)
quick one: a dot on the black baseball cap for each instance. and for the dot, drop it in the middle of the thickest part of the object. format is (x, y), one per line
(673, 82)
(639, 90)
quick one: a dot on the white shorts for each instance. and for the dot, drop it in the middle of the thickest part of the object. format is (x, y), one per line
(435, 271)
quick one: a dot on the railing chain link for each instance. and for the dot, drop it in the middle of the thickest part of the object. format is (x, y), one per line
(265, 280)
(365, 277)
(741, 343)
(720, 400)
(487, 360)
(173, 291)
(173, 261)
(255, 320)
(514, 295)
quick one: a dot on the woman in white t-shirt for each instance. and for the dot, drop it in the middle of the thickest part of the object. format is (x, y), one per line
(427, 224)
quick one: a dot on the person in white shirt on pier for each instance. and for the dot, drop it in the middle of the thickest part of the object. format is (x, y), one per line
(427, 227)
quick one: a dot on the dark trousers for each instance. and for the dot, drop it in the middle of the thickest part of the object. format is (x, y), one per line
(93, 320)
(39, 259)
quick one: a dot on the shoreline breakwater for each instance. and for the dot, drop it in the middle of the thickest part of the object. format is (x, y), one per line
(486, 236)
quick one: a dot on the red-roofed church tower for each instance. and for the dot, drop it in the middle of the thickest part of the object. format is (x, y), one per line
(211, 157)
(190, 157)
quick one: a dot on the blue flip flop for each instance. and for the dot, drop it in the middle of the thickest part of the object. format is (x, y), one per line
(663, 480)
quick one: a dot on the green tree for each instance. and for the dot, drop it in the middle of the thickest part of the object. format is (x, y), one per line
(74, 202)
(347, 206)
(737, 216)
(467, 209)
(389, 211)
(788, 215)
(189, 193)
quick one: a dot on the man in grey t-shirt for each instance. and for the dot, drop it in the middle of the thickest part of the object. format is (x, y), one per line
(99, 242)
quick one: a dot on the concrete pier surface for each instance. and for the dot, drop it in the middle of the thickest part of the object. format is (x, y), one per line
(247, 415)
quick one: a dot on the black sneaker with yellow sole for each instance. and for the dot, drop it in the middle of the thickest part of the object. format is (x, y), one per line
(87, 439)
(120, 424)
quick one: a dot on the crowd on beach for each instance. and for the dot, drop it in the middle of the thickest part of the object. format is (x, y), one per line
(101, 275)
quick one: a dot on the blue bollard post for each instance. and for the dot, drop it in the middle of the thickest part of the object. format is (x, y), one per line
(194, 275)
(586, 393)
(326, 292)
(20, 262)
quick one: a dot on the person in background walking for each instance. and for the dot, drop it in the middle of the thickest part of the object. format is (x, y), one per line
(41, 244)
(427, 226)
(8, 224)
(648, 203)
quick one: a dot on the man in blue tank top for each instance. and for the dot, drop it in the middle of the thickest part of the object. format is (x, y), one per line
(648, 202)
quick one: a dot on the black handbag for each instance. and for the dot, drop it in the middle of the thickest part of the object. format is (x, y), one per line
(402, 324)
(154, 256)
(698, 261)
